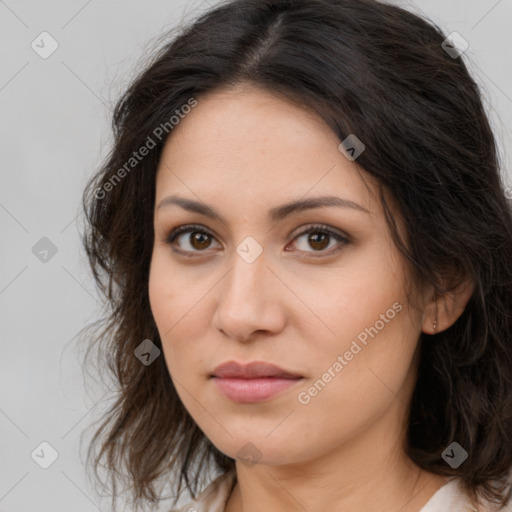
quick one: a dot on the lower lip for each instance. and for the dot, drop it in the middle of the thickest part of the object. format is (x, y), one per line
(253, 390)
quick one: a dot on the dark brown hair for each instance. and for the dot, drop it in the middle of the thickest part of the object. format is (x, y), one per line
(366, 68)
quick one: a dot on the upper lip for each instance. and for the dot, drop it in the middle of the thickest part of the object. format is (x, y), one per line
(252, 370)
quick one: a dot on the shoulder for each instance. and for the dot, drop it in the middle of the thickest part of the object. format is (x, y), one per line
(452, 496)
(214, 497)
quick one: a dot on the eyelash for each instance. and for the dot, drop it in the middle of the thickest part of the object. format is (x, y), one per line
(310, 229)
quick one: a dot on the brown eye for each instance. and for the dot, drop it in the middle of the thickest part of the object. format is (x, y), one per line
(197, 240)
(319, 238)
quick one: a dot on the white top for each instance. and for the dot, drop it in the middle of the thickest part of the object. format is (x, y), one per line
(448, 498)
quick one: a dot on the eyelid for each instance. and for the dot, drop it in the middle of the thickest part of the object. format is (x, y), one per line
(319, 227)
(186, 228)
(341, 237)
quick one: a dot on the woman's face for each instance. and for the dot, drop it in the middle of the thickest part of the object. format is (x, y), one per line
(258, 287)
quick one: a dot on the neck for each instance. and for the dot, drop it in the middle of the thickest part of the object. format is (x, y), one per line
(368, 472)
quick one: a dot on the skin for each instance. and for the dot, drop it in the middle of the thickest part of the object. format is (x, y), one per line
(244, 151)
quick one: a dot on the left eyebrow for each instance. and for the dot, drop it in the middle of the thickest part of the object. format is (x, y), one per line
(279, 213)
(275, 214)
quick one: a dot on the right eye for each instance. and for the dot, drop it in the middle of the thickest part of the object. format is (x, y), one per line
(200, 240)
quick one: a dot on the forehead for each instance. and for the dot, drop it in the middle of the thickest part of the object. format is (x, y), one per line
(249, 143)
(247, 121)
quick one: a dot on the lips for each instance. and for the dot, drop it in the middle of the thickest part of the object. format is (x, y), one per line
(254, 382)
(252, 370)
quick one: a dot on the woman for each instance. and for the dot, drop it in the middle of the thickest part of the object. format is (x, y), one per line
(303, 236)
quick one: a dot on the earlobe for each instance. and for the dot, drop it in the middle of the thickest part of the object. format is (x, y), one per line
(442, 311)
(429, 321)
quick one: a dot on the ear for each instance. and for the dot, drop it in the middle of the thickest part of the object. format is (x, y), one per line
(441, 312)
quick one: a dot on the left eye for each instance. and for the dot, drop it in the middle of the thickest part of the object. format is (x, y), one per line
(318, 237)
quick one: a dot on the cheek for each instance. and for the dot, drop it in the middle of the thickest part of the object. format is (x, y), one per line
(161, 294)
(177, 309)
(356, 384)
(372, 336)
(366, 371)
(354, 297)
(165, 303)
(171, 294)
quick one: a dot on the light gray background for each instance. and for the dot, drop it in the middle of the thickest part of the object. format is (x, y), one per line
(54, 133)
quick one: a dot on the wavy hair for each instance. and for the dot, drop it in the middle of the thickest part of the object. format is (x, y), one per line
(366, 68)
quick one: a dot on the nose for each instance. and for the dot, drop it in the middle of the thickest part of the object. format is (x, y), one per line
(249, 301)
